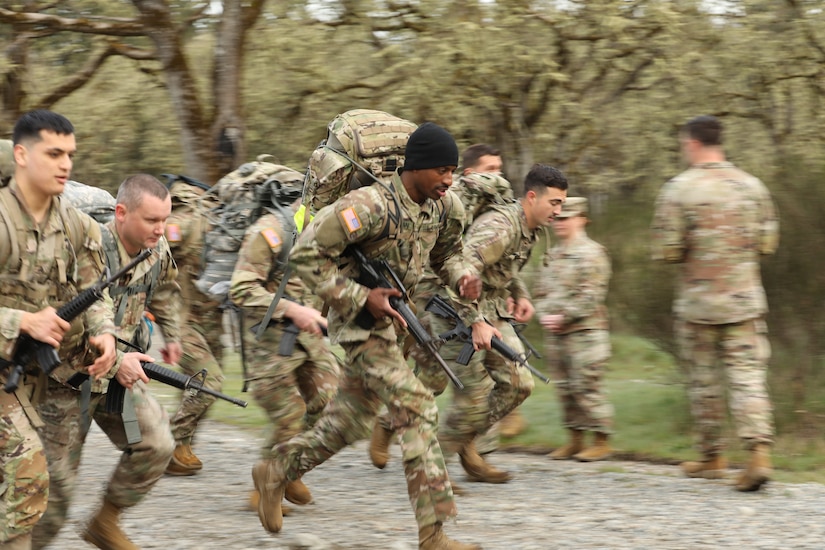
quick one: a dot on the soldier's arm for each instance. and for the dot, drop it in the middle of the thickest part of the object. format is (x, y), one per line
(590, 288)
(260, 249)
(167, 302)
(668, 231)
(769, 223)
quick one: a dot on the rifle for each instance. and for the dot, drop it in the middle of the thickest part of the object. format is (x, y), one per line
(441, 307)
(29, 349)
(372, 277)
(116, 392)
(519, 330)
(291, 331)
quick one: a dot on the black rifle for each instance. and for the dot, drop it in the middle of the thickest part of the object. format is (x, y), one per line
(291, 331)
(441, 307)
(519, 329)
(29, 349)
(116, 392)
(371, 276)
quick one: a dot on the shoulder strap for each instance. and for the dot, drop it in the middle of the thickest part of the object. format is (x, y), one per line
(112, 255)
(283, 261)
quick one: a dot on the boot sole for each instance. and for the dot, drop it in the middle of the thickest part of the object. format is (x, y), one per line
(296, 498)
(269, 504)
(754, 483)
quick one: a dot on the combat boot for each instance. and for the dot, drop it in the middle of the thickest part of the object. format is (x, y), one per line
(513, 424)
(576, 445)
(478, 469)
(599, 451)
(432, 537)
(21, 542)
(297, 493)
(759, 469)
(380, 444)
(713, 467)
(104, 532)
(255, 499)
(183, 462)
(271, 485)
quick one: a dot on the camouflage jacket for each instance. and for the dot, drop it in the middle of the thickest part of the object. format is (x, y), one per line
(498, 244)
(365, 218)
(39, 270)
(715, 220)
(258, 274)
(573, 283)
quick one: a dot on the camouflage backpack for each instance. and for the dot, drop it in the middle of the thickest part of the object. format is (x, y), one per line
(244, 195)
(362, 146)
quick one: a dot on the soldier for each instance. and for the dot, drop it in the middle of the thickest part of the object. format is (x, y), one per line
(202, 325)
(475, 193)
(49, 253)
(498, 244)
(715, 221)
(429, 225)
(143, 204)
(291, 382)
(570, 292)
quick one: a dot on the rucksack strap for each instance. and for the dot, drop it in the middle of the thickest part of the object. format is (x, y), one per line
(283, 260)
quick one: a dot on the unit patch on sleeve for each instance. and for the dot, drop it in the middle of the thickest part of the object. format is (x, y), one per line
(351, 219)
(173, 234)
(272, 238)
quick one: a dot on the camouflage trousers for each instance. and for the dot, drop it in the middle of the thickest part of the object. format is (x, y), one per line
(201, 343)
(736, 353)
(141, 464)
(294, 389)
(376, 374)
(577, 362)
(24, 485)
(493, 387)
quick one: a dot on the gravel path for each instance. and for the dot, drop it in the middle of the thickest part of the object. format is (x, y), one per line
(549, 504)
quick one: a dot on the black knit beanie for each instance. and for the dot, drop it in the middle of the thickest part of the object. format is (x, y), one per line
(430, 146)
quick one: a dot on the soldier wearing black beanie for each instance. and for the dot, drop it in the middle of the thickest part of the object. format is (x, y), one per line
(430, 146)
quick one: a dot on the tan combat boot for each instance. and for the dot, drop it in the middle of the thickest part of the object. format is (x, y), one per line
(759, 469)
(20, 542)
(713, 467)
(576, 445)
(432, 537)
(478, 469)
(271, 485)
(380, 444)
(255, 499)
(184, 462)
(513, 424)
(104, 532)
(599, 451)
(297, 493)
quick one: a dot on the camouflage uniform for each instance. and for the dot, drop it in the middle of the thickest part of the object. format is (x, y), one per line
(715, 220)
(294, 389)
(45, 272)
(376, 372)
(497, 244)
(573, 283)
(142, 464)
(201, 326)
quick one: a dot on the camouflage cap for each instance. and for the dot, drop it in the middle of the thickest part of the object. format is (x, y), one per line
(6, 158)
(573, 206)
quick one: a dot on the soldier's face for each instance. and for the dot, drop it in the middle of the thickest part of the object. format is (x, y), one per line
(542, 207)
(487, 164)
(143, 226)
(431, 183)
(46, 164)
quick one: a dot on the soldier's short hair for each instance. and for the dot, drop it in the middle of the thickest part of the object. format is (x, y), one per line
(29, 125)
(706, 129)
(131, 191)
(542, 176)
(473, 153)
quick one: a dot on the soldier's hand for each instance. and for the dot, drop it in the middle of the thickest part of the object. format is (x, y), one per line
(523, 310)
(469, 286)
(106, 347)
(45, 326)
(172, 353)
(307, 319)
(378, 304)
(483, 333)
(131, 369)
(552, 323)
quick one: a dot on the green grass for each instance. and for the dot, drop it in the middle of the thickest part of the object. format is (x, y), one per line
(652, 420)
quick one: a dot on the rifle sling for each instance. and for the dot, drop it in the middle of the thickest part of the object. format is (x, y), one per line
(275, 299)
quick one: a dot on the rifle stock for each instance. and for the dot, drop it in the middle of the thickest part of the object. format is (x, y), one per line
(441, 307)
(47, 358)
(371, 277)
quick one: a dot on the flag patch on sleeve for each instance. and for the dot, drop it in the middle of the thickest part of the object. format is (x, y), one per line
(173, 234)
(351, 219)
(272, 238)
